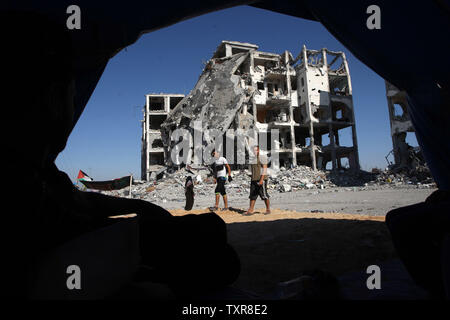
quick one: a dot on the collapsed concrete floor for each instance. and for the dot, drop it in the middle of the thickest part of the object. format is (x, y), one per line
(307, 100)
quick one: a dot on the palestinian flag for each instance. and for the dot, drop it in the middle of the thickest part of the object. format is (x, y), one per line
(108, 185)
(83, 176)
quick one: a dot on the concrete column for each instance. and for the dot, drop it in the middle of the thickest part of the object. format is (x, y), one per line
(354, 137)
(244, 109)
(291, 108)
(143, 146)
(147, 138)
(330, 113)
(347, 71)
(333, 146)
(166, 104)
(336, 138)
(228, 50)
(391, 110)
(309, 112)
(355, 143)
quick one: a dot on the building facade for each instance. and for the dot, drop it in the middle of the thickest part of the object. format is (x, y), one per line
(400, 123)
(308, 99)
(157, 108)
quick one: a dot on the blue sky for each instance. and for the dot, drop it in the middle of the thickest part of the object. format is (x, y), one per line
(106, 142)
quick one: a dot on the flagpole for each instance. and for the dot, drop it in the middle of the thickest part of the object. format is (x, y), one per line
(131, 180)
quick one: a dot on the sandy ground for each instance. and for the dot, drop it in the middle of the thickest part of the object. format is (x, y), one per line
(350, 200)
(279, 246)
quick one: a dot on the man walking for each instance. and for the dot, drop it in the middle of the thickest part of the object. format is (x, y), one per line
(258, 184)
(221, 168)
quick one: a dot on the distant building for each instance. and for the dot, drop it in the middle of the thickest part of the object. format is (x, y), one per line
(157, 107)
(400, 122)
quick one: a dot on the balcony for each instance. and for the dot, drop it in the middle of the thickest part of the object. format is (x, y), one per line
(278, 100)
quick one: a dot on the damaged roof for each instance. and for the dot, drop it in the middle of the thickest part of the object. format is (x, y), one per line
(215, 99)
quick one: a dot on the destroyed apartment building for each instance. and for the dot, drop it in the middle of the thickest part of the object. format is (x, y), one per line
(157, 108)
(307, 98)
(405, 156)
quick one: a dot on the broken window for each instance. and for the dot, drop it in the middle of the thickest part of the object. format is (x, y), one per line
(156, 103)
(411, 139)
(261, 115)
(156, 121)
(293, 84)
(307, 141)
(157, 143)
(321, 113)
(300, 137)
(325, 139)
(400, 112)
(250, 109)
(174, 101)
(260, 86)
(345, 137)
(343, 163)
(285, 140)
(299, 114)
(270, 89)
(334, 61)
(156, 158)
(338, 85)
(340, 112)
(238, 50)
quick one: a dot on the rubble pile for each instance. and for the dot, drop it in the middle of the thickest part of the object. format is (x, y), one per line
(419, 175)
(170, 187)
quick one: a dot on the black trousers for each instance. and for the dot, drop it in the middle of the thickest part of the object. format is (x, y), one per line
(220, 187)
(417, 233)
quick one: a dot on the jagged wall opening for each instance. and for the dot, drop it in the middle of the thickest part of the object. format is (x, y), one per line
(213, 102)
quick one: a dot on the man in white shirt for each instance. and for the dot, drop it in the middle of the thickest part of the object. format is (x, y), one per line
(221, 168)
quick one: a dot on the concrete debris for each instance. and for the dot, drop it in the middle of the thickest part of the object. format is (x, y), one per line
(214, 101)
(285, 188)
(170, 188)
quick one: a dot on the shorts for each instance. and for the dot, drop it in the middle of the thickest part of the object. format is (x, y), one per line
(258, 190)
(220, 187)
